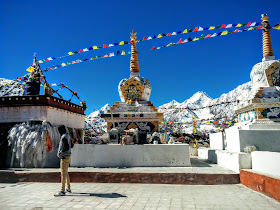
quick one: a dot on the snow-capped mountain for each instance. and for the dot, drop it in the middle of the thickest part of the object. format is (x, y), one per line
(10, 88)
(198, 100)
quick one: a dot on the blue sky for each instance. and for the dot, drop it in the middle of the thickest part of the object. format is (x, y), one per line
(53, 28)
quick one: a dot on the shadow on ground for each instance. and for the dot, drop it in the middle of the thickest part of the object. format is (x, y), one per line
(195, 162)
(101, 195)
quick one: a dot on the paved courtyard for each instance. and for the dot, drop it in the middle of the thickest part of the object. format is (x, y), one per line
(132, 196)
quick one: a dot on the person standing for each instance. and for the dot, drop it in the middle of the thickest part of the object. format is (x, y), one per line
(64, 153)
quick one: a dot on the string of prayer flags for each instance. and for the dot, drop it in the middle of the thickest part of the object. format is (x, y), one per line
(198, 28)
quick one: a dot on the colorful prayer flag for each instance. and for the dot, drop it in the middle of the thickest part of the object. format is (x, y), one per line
(185, 31)
(277, 26)
(123, 52)
(196, 29)
(159, 36)
(30, 69)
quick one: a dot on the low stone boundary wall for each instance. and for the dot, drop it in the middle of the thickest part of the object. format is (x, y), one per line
(231, 160)
(159, 155)
(265, 184)
(266, 162)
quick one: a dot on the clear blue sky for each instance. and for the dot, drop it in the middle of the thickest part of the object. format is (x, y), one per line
(53, 28)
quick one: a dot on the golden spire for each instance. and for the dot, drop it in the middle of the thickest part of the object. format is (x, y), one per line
(134, 65)
(267, 44)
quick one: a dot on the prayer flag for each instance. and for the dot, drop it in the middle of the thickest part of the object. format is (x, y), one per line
(217, 27)
(179, 32)
(86, 49)
(158, 48)
(73, 62)
(170, 44)
(223, 26)
(190, 30)
(121, 43)
(47, 59)
(180, 41)
(174, 33)
(144, 38)
(208, 36)
(189, 39)
(90, 48)
(85, 59)
(243, 24)
(253, 24)
(277, 26)
(213, 35)
(98, 56)
(105, 56)
(95, 47)
(196, 29)
(40, 61)
(229, 26)
(81, 50)
(211, 27)
(125, 42)
(123, 52)
(204, 29)
(105, 45)
(149, 38)
(100, 47)
(30, 69)
(154, 37)
(111, 54)
(257, 24)
(78, 61)
(185, 31)
(262, 26)
(163, 34)
(50, 58)
(68, 63)
(128, 52)
(235, 31)
(200, 29)
(251, 28)
(186, 40)
(50, 68)
(153, 48)
(63, 64)
(118, 53)
(111, 45)
(75, 52)
(169, 34)
(248, 24)
(202, 36)
(115, 44)
(224, 33)
(195, 39)
(92, 58)
(219, 34)
(239, 25)
(159, 36)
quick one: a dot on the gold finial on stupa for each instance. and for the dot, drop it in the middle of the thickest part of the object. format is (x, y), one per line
(134, 65)
(267, 44)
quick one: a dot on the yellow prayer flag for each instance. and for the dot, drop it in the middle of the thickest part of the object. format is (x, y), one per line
(185, 31)
(169, 44)
(211, 27)
(159, 36)
(86, 119)
(121, 43)
(207, 122)
(92, 58)
(277, 26)
(95, 47)
(40, 61)
(63, 64)
(123, 52)
(195, 39)
(239, 25)
(30, 69)
(70, 53)
(249, 29)
(224, 33)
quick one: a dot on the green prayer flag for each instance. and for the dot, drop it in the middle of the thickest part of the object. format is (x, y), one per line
(100, 47)
(163, 34)
(75, 52)
(125, 42)
(219, 26)
(68, 63)
(202, 36)
(98, 56)
(244, 24)
(190, 30)
(128, 52)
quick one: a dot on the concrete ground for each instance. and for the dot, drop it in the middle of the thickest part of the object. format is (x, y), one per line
(132, 196)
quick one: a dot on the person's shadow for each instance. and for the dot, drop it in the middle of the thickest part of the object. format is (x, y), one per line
(101, 195)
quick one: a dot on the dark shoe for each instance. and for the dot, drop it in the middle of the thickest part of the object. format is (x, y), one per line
(68, 190)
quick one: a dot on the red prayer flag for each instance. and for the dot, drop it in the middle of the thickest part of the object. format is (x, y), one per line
(47, 59)
(209, 35)
(260, 26)
(50, 68)
(153, 48)
(105, 45)
(235, 31)
(105, 56)
(144, 38)
(73, 62)
(81, 50)
(248, 24)
(223, 26)
(169, 34)
(196, 29)
(180, 41)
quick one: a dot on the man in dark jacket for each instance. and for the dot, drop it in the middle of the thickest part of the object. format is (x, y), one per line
(64, 152)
